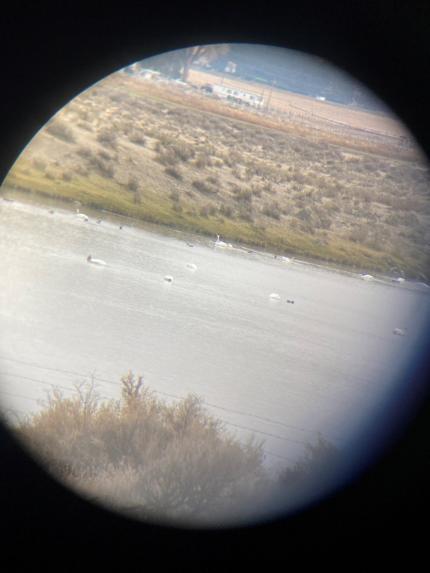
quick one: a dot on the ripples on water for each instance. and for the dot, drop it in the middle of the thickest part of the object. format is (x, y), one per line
(284, 371)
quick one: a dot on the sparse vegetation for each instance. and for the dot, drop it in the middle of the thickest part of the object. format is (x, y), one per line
(269, 184)
(61, 130)
(154, 459)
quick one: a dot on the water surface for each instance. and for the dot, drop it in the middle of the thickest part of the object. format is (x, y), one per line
(281, 371)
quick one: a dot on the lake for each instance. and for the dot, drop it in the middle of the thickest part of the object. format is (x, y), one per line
(281, 371)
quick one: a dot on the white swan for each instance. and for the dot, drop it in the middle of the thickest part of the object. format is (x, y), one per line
(168, 279)
(274, 296)
(95, 261)
(367, 277)
(286, 260)
(222, 244)
(398, 280)
(191, 266)
(399, 331)
(81, 215)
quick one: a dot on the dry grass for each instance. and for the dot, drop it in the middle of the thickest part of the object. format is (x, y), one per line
(273, 184)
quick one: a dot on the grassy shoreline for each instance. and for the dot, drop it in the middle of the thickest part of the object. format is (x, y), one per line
(45, 196)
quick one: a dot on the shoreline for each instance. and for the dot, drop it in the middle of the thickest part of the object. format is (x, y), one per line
(26, 196)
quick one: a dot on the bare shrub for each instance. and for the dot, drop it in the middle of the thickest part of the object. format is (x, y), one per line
(202, 160)
(174, 195)
(183, 151)
(85, 125)
(244, 196)
(84, 152)
(315, 469)
(61, 130)
(245, 213)
(174, 172)
(167, 158)
(107, 137)
(132, 184)
(137, 139)
(103, 167)
(204, 187)
(105, 155)
(226, 210)
(272, 210)
(143, 455)
(39, 164)
(359, 234)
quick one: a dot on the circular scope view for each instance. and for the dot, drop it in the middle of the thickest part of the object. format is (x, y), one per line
(215, 270)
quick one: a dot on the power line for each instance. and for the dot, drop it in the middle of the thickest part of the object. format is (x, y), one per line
(175, 396)
(247, 428)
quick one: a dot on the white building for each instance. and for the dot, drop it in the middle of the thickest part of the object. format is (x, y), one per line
(238, 96)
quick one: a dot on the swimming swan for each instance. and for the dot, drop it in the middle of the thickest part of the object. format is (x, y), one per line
(398, 280)
(219, 243)
(367, 277)
(168, 279)
(95, 261)
(81, 215)
(191, 266)
(399, 331)
(274, 296)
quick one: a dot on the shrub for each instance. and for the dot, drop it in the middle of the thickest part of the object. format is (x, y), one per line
(202, 160)
(39, 164)
(272, 210)
(143, 455)
(107, 137)
(174, 195)
(84, 152)
(226, 210)
(132, 184)
(204, 187)
(137, 139)
(315, 470)
(60, 130)
(244, 196)
(103, 167)
(359, 234)
(173, 172)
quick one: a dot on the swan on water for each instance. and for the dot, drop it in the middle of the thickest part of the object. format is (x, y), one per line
(81, 215)
(219, 243)
(286, 260)
(95, 261)
(168, 279)
(274, 296)
(190, 244)
(367, 277)
(191, 266)
(398, 280)
(399, 331)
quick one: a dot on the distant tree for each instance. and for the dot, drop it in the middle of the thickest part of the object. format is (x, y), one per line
(177, 64)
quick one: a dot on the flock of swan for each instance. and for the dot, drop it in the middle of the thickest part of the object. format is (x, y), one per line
(222, 244)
